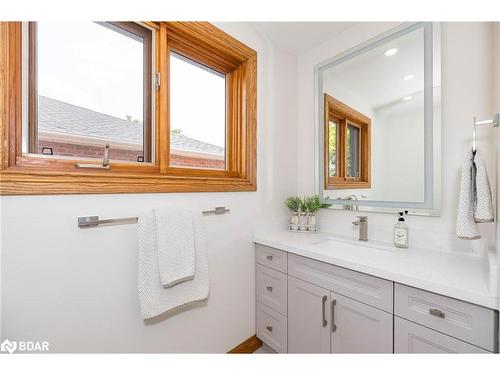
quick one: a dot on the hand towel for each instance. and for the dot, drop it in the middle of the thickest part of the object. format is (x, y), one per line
(154, 299)
(175, 244)
(483, 212)
(475, 203)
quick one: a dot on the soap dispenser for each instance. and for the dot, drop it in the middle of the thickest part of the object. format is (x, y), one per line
(401, 232)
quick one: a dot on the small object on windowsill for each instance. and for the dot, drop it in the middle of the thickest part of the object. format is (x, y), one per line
(105, 161)
(140, 159)
(47, 151)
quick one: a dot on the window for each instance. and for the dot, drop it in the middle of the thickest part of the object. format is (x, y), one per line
(175, 102)
(197, 140)
(347, 156)
(90, 86)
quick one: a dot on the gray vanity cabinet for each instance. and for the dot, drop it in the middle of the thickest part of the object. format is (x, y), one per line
(414, 338)
(359, 328)
(308, 317)
(320, 321)
(307, 296)
(308, 306)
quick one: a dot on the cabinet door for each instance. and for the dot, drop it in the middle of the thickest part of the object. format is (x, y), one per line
(414, 338)
(359, 328)
(308, 317)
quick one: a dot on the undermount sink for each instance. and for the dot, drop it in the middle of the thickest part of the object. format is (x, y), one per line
(335, 242)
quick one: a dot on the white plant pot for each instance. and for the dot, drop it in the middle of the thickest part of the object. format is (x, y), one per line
(294, 221)
(311, 222)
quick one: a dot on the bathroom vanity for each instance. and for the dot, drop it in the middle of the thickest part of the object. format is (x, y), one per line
(321, 294)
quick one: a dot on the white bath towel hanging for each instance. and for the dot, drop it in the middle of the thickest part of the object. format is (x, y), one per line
(153, 297)
(484, 203)
(175, 244)
(475, 203)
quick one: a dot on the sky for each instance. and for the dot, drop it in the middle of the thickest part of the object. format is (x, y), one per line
(91, 66)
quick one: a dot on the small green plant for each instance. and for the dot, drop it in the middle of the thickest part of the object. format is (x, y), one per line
(311, 205)
(308, 204)
(294, 203)
(321, 205)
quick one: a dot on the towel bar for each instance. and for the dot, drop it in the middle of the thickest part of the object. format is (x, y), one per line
(495, 121)
(94, 221)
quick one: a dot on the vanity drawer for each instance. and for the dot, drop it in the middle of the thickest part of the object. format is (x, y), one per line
(271, 288)
(413, 338)
(271, 328)
(356, 285)
(271, 257)
(463, 320)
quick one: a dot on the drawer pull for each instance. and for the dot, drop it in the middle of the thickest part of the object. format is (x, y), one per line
(269, 257)
(323, 319)
(270, 288)
(269, 328)
(437, 313)
(334, 326)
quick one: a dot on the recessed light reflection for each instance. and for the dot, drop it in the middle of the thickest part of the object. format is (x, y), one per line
(407, 97)
(391, 52)
(408, 77)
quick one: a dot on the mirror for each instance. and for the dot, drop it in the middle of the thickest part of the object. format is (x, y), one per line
(379, 110)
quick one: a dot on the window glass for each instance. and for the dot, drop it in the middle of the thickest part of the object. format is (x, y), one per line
(90, 89)
(353, 151)
(332, 147)
(197, 115)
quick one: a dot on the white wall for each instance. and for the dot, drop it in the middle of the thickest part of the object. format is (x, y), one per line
(398, 152)
(466, 91)
(78, 288)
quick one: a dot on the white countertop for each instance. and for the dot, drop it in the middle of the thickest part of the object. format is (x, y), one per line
(467, 277)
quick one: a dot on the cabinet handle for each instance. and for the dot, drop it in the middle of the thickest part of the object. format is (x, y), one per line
(270, 288)
(269, 257)
(323, 320)
(437, 313)
(269, 328)
(334, 326)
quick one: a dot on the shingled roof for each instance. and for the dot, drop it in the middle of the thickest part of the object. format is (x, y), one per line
(57, 117)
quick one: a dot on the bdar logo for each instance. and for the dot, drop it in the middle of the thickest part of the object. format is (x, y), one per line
(8, 346)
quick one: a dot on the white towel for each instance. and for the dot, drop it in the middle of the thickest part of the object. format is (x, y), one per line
(484, 203)
(153, 297)
(175, 244)
(475, 203)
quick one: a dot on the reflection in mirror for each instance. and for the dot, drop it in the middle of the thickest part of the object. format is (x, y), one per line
(347, 146)
(374, 122)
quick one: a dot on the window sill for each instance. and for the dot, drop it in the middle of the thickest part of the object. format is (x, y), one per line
(343, 184)
(21, 181)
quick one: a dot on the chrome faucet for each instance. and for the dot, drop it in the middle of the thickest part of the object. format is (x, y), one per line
(348, 207)
(362, 223)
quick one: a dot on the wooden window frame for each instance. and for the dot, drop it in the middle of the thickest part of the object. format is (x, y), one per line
(344, 115)
(27, 174)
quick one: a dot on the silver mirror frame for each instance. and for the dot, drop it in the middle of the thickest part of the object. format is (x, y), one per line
(431, 205)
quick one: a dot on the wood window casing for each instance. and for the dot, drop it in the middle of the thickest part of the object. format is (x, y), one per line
(344, 115)
(34, 174)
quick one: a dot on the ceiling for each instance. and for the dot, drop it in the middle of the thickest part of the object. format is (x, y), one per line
(299, 37)
(372, 79)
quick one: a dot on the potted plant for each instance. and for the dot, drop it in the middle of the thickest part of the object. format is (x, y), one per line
(294, 204)
(304, 212)
(312, 205)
